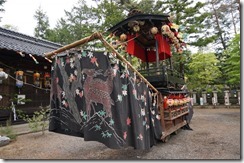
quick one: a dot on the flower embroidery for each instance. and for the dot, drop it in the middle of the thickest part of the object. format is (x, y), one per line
(140, 137)
(128, 121)
(125, 135)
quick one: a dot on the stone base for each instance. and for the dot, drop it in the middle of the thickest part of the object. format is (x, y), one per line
(4, 140)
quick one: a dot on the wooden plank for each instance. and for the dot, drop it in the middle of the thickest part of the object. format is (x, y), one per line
(170, 119)
(172, 129)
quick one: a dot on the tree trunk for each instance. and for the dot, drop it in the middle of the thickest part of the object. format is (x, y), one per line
(218, 26)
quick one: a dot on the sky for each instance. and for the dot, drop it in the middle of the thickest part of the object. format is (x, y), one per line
(20, 13)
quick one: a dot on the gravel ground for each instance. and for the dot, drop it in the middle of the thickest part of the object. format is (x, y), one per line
(216, 135)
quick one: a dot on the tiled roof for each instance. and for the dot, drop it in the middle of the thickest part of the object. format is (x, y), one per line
(23, 43)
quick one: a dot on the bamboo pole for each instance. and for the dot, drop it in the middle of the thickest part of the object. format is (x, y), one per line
(74, 44)
(94, 36)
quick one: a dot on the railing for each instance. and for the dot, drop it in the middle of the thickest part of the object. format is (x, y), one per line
(161, 71)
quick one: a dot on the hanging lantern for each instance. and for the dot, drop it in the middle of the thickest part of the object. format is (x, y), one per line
(123, 37)
(170, 102)
(165, 29)
(47, 80)
(114, 44)
(154, 30)
(165, 104)
(136, 28)
(3, 75)
(19, 78)
(141, 22)
(180, 51)
(181, 102)
(176, 102)
(36, 79)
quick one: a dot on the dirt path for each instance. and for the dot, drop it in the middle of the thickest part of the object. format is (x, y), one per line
(215, 135)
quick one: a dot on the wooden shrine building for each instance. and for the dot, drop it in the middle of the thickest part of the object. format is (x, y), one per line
(21, 57)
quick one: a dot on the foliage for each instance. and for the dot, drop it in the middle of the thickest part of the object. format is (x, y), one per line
(232, 64)
(8, 131)
(41, 30)
(11, 27)
(77, 23)
(108, 14)
(203, 71)
(2, 9)
(38, 122)
(222, 22)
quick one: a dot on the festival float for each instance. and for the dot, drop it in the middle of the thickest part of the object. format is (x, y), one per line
(101, 96)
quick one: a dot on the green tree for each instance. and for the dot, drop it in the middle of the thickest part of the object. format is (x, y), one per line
(77, 24)
(203, 71)
(11, 27)
(232, 64)
(61, 33)
(223, 22)
(41, 30)
(1, 7)
(108, 13)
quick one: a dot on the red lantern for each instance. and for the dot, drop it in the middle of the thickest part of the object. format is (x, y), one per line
(36, 79)
(165, 104)
(47, 80)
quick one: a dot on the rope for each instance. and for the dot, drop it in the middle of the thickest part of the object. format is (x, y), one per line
(28, 83)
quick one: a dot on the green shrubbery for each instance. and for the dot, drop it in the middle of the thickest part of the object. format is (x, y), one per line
(38, 121)
(8, 131)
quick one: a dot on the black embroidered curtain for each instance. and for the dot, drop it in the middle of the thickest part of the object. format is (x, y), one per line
(95, 97)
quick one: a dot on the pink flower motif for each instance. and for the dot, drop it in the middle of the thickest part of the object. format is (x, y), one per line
(140, 137)
(67, 60)
(145, 93)
(58, 61)
(81, 94)
(93, 60)
(57, 80)
(126, 75)
(66, 104)
(125, 135)
(134, 92)
(116, 67)
(128, 121)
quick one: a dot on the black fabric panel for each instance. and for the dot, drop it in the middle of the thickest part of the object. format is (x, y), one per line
(95, 97)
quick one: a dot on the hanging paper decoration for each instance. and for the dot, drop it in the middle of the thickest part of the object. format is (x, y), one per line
(47, 80)
(170, 102)
(34, 59)
(36, 79)
(19, 78)
(123, 37)
(3, 75)
(154, 30)
(136, 28)
(48, 59)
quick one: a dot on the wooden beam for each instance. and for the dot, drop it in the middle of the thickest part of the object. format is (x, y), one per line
(94, 36)
(74, 44)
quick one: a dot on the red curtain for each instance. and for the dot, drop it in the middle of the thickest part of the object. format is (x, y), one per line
(135, 49)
